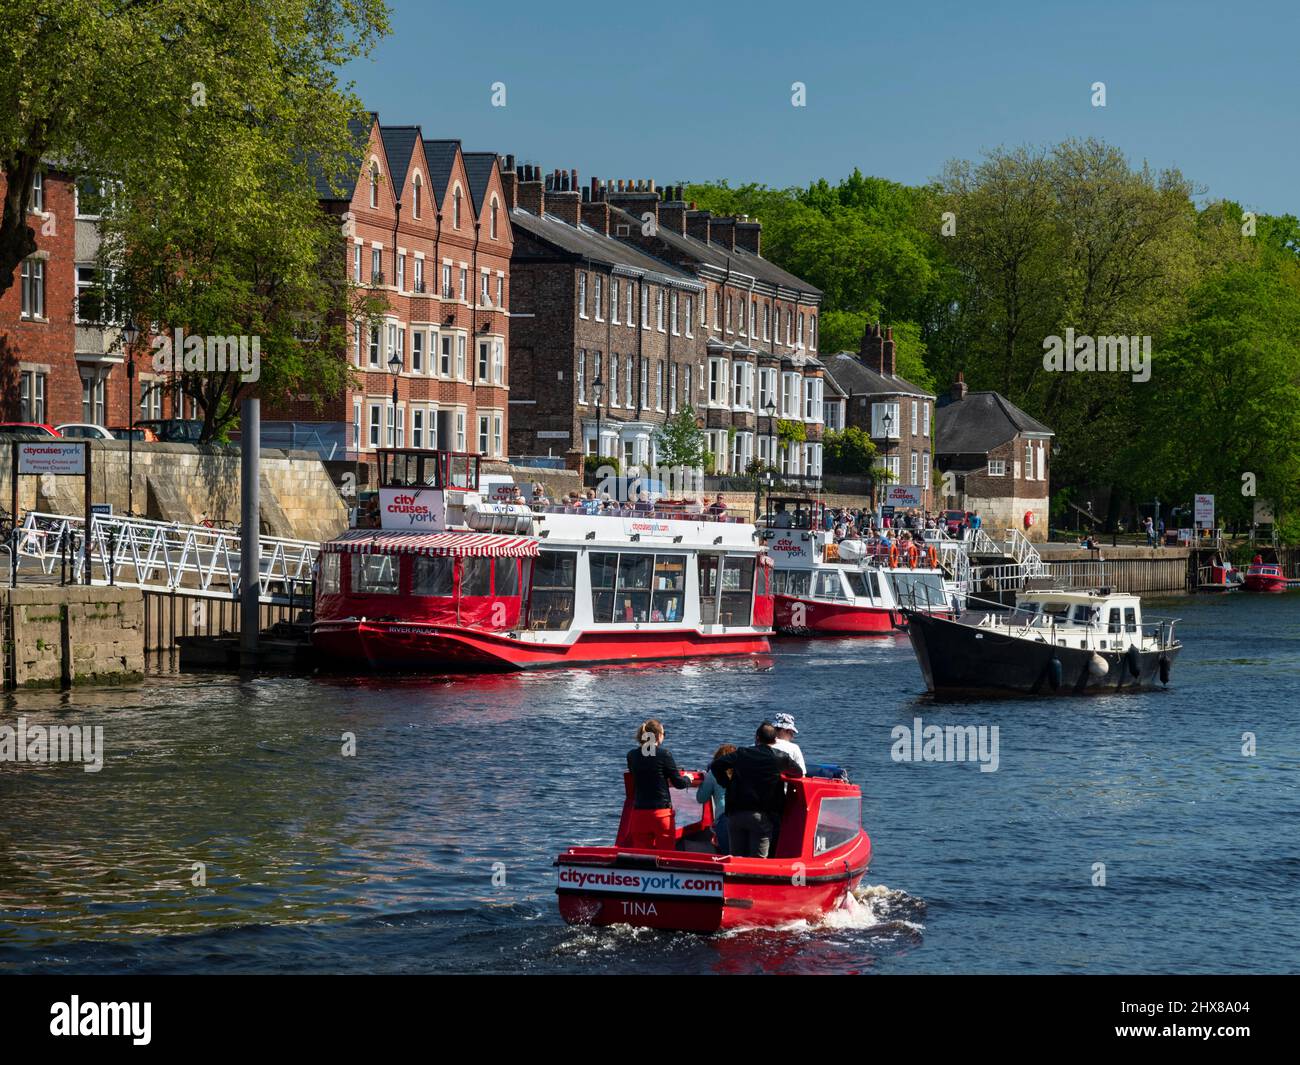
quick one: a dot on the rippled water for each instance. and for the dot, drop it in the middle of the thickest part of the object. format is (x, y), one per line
(385, 861)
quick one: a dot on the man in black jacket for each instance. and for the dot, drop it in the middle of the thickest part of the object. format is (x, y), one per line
(756, 793)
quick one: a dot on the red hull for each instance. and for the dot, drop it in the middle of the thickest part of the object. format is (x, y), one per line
(413, 646)
(834, 619)
(1265, 578)
(684, 892)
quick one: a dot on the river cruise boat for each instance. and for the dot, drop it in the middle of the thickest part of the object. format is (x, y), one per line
(1051, 642)
(1264, 576)
(818, 858)
(452, 583)
(849, 588)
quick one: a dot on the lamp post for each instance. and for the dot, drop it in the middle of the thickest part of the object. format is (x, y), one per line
(771, 448)
(130, 333)
(598, 394)
(395, 368)
(889, 426)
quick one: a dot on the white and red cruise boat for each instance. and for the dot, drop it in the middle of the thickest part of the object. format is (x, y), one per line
(451, 583)
(850, 588)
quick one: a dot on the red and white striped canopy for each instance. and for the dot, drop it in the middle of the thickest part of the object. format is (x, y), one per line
(376, 541)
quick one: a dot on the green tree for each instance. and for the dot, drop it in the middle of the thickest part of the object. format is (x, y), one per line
(680, 442)
(848, 452)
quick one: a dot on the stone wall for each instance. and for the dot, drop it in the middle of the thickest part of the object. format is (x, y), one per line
(58, 636)
(187, 482)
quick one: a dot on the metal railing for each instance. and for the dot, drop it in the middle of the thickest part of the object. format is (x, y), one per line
(162, 556)
(1021, 624)
(1025, 554)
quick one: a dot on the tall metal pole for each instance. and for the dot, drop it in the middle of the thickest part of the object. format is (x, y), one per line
(250, 445)
(130, 433)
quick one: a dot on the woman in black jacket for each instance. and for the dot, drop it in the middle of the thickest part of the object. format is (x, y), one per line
(653, 772)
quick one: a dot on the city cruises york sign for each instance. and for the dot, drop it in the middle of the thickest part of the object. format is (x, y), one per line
(632, 882)
(410, 508)
(55, 458)
(794, 550)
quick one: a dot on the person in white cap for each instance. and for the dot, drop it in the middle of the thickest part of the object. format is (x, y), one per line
(785, 734)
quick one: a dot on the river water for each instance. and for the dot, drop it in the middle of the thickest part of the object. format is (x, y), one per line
(429, 848)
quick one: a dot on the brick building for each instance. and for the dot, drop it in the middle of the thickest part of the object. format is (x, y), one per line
(669, 306)
(999, 458)
(896, 414)
(426, 228)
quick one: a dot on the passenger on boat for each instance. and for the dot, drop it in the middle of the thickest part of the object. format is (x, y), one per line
(715, 790)
(653, 771)
(590, 504)
(782, 520)
(718, 507)
(756, 793)
(785, 734)
(539, 496)
(643, 505)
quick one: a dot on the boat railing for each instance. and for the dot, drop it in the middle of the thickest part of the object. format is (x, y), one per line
(632, 511)
(1022, 624)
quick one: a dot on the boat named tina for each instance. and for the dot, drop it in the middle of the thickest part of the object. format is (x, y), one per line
(452, 583)
(1051, 642)
(818, 859)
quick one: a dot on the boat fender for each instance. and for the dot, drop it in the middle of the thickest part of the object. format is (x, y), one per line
(1054, 673)
(1134, 657)
(1164, 669)
(1098, 666)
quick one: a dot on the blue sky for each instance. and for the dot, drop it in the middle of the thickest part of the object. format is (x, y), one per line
(695, 92)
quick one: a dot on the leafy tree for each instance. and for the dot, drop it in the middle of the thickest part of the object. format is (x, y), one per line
(680, 442)
(848, 452)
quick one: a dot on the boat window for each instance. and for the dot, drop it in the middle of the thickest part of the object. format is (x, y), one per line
(475, 576)
(604, 572)
(737, 590)
(632, 596)
(686, 811)
(551, 604)
(1060, 611)
(374, 574)
(506, 577)
(919, 589)
(1130, 619)
(839, 820)
(328, 581)
(669, 589)
(828, 585)
(431, 575)
(1113, 622)
(857, 583)
(1086, 615)
(792, 582)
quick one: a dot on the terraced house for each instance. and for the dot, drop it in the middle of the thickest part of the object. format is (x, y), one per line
(425, 225)
(664, 306)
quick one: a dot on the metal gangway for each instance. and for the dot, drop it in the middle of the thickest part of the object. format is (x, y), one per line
(161, 556)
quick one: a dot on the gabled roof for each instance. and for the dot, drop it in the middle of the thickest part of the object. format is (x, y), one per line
(346, 182)
(442, 159)
(587, 243)
(478, 167)
(740, 261)
(399, 146)
(979, 423)
(854, 378)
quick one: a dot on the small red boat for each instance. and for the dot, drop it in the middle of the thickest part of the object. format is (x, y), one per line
(819, 857)
(1264, 576)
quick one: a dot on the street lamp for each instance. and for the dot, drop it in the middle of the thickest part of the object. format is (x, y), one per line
(889, 426)
(771, 442)
(598, 393)
(130, 334)
(395, 368)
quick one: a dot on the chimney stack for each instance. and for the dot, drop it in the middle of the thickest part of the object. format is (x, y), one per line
(672, 211)
(722, 231)
(697, 224)
(509, 181)
(959, 389)
(749, 235)
(872, 350)
(531, 196)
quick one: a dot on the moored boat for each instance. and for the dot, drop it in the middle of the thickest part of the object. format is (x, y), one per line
(1052, 642)
(451, 583)
(819, 857)
(1264, 576)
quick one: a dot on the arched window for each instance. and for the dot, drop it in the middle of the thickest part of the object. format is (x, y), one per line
(494, 218)
(374, 184)
(416, 186)
(455, 214)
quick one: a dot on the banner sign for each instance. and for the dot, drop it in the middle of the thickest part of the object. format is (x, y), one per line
(907, 496)
(635, 882)
(791, 550)
(1204, 512)
(56, 458)
(411, 508)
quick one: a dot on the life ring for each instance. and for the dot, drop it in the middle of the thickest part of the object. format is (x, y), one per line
(893, 556)
(913, 553)
(1029, 518)
(933, 557)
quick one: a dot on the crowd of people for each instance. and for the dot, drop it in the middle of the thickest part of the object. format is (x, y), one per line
(858, 523)
(745, 786)
(588, 501)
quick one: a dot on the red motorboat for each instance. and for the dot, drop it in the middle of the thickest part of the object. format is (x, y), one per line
(819, 858)
(1264, 576)
(451, 583)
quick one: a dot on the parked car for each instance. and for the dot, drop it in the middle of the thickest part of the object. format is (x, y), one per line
(174, 430)
(83, 431)
(139, 434)
(953, 519)
(31, 428)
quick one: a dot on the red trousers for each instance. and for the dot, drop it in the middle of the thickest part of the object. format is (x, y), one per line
(651, 828)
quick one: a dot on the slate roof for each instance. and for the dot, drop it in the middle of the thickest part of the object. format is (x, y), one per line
(399, 145)
(588, 243)
(478, 165)
(738, 261)
(442, 157)
(854, 378)
(979, 423)
(346, 181)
